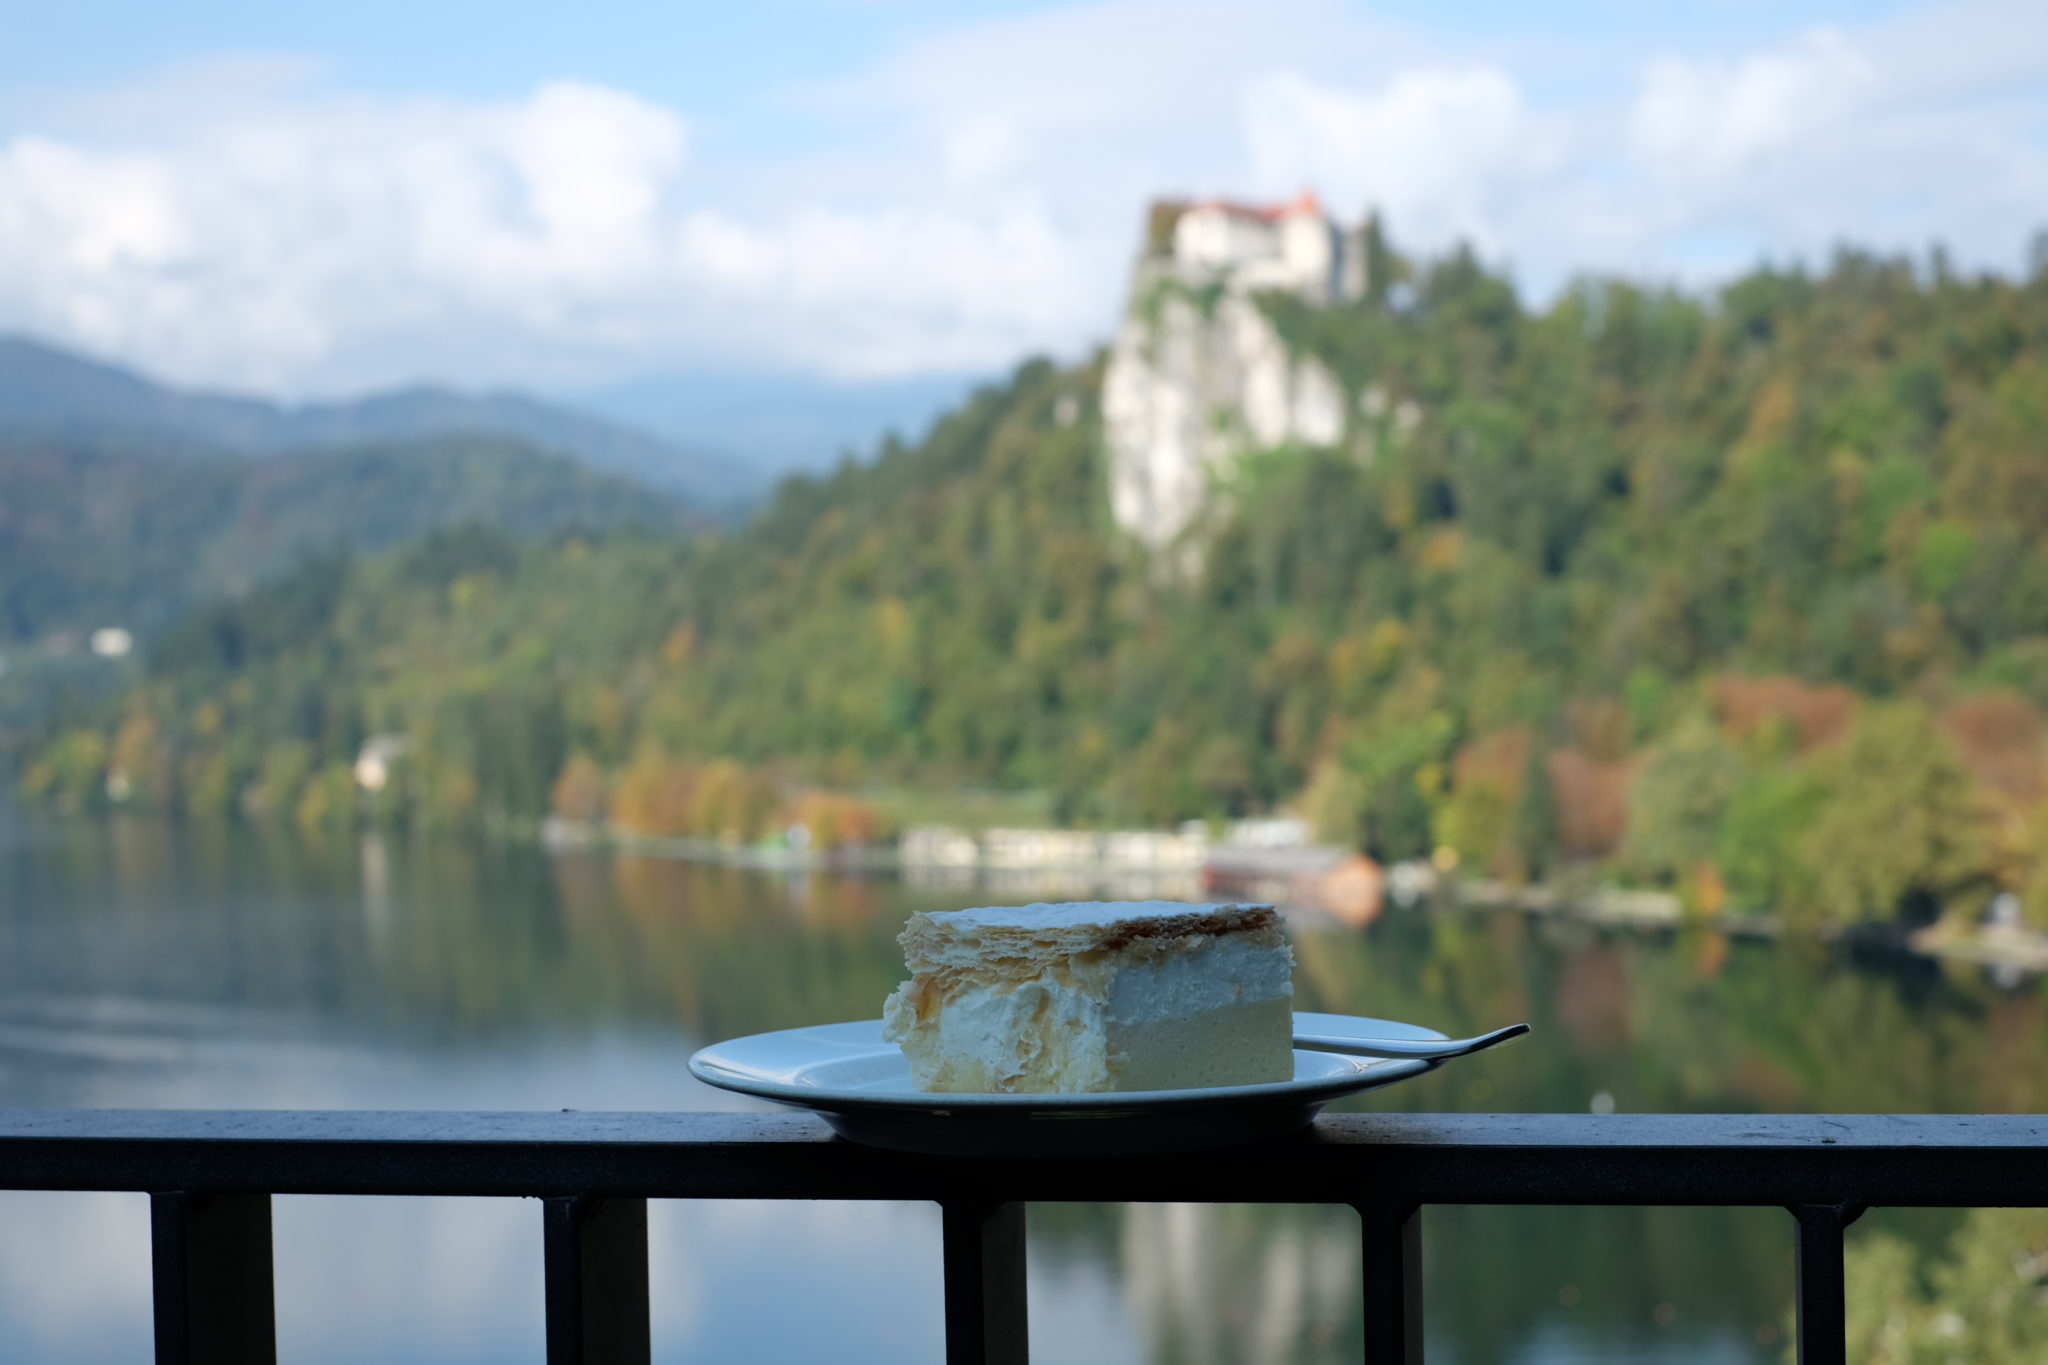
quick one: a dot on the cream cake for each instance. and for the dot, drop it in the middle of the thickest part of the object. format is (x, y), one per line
(1094, 995)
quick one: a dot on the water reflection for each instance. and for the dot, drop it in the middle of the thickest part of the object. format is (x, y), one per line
(1218, 1283)
(147, 965)
(74, 1277)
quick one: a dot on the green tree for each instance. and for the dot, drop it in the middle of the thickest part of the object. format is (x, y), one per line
(1536, 816)
(1758, 845)
(1982, 1299)
(328, 800)
(1677, 805)
(1897, 831)
(70, 773)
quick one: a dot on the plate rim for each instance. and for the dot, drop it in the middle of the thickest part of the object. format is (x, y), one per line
(1362, 1073)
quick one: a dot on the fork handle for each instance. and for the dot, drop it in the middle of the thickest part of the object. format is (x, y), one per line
(1408, 1047)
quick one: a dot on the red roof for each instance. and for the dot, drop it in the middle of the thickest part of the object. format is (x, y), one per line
(1305, 202)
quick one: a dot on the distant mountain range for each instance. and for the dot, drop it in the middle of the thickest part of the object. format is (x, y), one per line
(782, 423)
(126, 502)
(59, 399)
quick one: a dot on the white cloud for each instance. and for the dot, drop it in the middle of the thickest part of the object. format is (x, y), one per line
(888, 291)
(255, 250)
(1925, 128)
(1440, 151)
(972, 195)
(983, 149)
(1120, 75)
(257, 245)
(1720, 117)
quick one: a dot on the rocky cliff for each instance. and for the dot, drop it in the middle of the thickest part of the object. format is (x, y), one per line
(1198, 375)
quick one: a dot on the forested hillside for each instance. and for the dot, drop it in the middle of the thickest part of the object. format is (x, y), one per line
(1745, 594)
(97, 538)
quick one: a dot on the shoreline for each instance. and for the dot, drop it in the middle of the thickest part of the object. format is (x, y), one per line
(2015, 952)
(2009, 953)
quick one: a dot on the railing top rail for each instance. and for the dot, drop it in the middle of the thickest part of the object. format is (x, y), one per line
(1951, 1160)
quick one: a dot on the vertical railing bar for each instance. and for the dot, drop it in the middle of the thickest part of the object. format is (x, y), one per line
(1820, 1323)
(215, 1297)
(1391, 1261)
(986, 1319)
(596, 1280)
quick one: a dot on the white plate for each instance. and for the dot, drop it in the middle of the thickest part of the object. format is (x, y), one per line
(861, 1086)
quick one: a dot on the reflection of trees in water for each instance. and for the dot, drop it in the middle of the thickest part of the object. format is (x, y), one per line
(1209, 1284)
(1217, 1284)
(733, 951)
(439, 938)
(1832, 1037)
(1980, 1295)
(1682, 1023)
(1623, 1283)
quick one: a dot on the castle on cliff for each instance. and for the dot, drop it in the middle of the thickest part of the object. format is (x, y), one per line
(1198, 375)
(1292, 246)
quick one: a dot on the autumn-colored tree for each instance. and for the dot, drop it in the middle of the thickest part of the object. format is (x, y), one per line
(1817, 715)
(1591, 801)
(653, 796)
(730, 803)
(1479, 818)
(834, 820)
(2002, 739)
(578, 793)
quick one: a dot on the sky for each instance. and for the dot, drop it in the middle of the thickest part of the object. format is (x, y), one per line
(311, 201)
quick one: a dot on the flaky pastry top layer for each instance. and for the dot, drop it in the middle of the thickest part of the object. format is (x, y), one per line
(1023, 940)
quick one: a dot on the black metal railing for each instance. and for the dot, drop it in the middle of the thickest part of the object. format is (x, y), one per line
(210, 1175)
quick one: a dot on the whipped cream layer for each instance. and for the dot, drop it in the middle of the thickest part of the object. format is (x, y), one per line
(1094, 996)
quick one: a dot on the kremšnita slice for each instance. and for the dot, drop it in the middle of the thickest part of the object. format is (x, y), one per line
(1093, 996)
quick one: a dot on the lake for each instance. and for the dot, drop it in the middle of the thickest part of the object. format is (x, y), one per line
(152, 964)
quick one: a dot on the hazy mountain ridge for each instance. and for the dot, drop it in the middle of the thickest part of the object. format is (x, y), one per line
(55, 397)
(784, 422)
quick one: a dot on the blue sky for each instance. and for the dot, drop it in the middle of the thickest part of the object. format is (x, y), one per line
(319, 199)
(719, 56)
